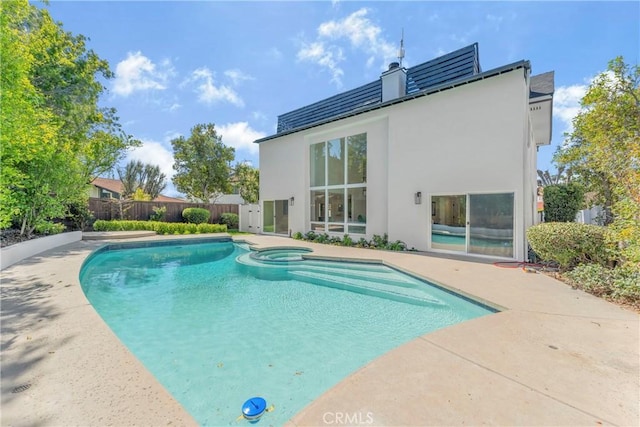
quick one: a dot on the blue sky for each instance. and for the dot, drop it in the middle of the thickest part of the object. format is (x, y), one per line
(241, 64)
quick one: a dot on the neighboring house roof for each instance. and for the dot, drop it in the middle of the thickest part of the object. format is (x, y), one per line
(163, 198)
(432, 89)
(542, 85)
(115, 186)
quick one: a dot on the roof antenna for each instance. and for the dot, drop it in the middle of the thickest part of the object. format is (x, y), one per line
(401, 50)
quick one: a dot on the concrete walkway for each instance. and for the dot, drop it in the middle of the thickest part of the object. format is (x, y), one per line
(554, 356)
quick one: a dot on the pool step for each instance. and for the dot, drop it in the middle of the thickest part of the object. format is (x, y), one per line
(382, 274)
(396, 293)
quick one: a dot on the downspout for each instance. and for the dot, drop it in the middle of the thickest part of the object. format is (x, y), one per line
(526, 163)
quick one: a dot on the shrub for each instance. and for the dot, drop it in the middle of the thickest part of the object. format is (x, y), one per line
(335, 240)
(347, 240)
(230, 219)
(196, 215)
(310, 236)
(321, 238)
(620, 283)
(47, 227)
(569, 243)
(379, 242)
(80, 215)
(562, 202)
(398, 245)
(211, 228)
(362, 243)
(159, 213)
(298, 236)
(159, 227)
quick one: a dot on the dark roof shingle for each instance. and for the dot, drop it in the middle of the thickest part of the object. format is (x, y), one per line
(542, 85)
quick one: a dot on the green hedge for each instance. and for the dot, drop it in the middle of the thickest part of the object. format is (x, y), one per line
(569, 243)
(196, 215)
(159, 227)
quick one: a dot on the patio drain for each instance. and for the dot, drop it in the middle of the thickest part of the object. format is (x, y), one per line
(21, 388)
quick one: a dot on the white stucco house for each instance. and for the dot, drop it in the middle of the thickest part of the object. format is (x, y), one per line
(441, 156)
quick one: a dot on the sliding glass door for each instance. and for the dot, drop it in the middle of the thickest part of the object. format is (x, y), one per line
(473, 223)
(491, 224)
(275, 216)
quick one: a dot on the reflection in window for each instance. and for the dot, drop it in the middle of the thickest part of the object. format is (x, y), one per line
(335, 161)
(338, 176)
(317, 156)
(357, 153)
(491, 224)
(335, 212)
(317, 206)
(448, 222)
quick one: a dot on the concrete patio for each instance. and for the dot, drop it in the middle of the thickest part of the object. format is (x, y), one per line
(553, 356)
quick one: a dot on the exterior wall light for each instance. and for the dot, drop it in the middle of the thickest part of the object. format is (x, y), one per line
(291, 200)
(418, 197)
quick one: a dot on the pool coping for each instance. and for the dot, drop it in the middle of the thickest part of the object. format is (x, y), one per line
(492, 370)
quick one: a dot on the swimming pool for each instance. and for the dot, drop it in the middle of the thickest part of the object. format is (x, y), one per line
(216, 326)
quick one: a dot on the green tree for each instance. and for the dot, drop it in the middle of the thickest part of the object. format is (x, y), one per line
(35, 170)
(202, 164)
(139, 179)
(66, 73)
(53, 136)
(248, 181)
(603, 150)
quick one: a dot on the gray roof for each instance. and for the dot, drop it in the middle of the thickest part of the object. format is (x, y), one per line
(542, 85)
(456, 65)
(433, 89)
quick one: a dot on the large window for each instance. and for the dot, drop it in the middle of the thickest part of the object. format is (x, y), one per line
(338, 185)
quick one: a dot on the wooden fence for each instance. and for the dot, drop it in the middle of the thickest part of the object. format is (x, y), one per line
(108, 209)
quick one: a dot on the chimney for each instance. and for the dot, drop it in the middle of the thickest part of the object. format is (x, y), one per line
(394, 82)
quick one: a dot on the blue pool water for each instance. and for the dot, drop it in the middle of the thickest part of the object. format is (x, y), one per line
(216, 326)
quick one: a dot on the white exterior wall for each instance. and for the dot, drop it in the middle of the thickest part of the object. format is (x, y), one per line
(284, 169)
(473, 138)
(468, 139)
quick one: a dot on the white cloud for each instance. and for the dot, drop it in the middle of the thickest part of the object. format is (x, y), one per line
(362, 35)
(175, 106)
(208, 92)
(566, 103)
(154, 153)
(238, 76)
(139, 73)
(240, 136)
(327, 57)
